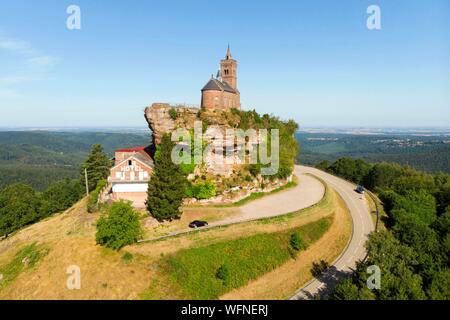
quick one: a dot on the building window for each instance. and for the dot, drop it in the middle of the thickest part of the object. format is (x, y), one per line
(130, 163)
(118, 175)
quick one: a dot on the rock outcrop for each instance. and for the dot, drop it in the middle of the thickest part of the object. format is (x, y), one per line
(225, 157)
(224, 153)
(160, 121)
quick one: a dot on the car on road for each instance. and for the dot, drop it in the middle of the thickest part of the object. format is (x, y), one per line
(198, 224)
(360, 189)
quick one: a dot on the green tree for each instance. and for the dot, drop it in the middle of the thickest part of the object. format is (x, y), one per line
(98, 166)
(347, 290)
(201, 190)
(440, 286)
(350, 169)
(323, 165)
(420, 204)
(60, 196)
(297, 242)
(223, 273)
(381, 175)
(397, 262)
(166, 188)
(119, 227)
(19, 206)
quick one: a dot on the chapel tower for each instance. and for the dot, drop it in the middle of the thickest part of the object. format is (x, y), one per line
(228, 69)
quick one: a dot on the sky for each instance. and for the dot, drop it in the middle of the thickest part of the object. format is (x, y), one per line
(312, 61)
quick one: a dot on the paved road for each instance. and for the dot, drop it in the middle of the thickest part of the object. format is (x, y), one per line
(308, 192)
(362, 226)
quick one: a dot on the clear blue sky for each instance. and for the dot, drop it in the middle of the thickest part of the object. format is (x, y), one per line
(314, 61)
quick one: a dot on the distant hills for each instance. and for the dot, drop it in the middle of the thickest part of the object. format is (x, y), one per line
(427, 152)
(41, 157)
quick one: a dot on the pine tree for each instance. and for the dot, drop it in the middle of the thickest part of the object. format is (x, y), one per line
(167, 185)
(98, 166)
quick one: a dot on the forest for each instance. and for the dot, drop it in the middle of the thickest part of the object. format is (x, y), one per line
(413, 249)
(40, 158)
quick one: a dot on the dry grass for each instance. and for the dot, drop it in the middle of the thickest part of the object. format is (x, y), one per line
(70, 239)
(335, 241)
(204, 237)
(285, 280)
(209, 214)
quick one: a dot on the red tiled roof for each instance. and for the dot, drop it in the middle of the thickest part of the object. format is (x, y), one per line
(135, 149)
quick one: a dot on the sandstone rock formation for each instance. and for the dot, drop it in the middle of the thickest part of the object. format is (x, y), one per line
(225, 157)
(160, 122)
(223, 153)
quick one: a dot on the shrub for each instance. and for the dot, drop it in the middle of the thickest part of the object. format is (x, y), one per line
(201, 190)
(120, 227)
(173, 113)
(93, 197)
(297, 242)
(127, 257)
(223, 274)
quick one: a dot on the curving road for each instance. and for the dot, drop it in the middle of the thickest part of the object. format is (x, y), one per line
(306, 193)
(362, 226)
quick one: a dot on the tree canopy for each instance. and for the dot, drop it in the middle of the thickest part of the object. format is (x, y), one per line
(167, 187)
(97, 165)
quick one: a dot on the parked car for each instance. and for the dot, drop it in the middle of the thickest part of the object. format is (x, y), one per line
(198, 224)
(360, 189)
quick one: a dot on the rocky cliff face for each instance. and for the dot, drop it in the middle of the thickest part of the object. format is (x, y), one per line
(222, 158)
(160, 121)
(216, 160)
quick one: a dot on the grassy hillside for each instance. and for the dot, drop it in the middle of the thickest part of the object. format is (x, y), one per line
(51, 246)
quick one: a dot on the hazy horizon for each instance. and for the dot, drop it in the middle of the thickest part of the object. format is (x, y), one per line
(315, 62)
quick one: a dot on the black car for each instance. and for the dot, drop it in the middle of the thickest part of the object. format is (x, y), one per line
(198, 224)
(360, 189)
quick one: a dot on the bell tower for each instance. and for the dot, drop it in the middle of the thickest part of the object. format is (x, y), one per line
(228, 69)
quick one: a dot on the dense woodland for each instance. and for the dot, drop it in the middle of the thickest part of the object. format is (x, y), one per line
(22, 205)
(413, 252)
(40, 158)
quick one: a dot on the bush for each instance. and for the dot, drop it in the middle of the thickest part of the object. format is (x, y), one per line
(173, 113)
(120, 227)
(297, 242)
(223, 274)
(93, 197)
(127, 257)
(201, 190)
